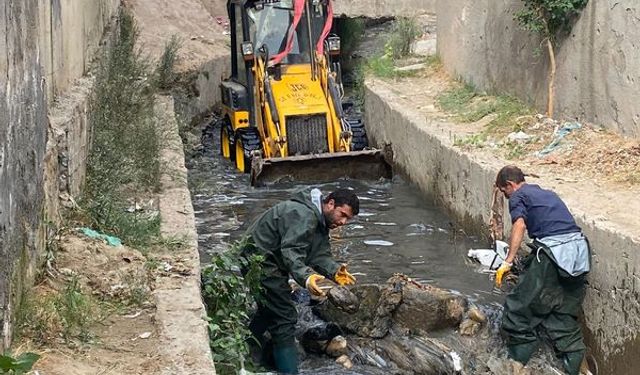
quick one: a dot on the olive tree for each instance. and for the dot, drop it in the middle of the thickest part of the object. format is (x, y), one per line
(549, 19)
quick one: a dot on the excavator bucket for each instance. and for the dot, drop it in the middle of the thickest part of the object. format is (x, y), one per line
(361, 165)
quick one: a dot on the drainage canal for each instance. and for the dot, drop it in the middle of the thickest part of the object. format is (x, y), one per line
(397, 231)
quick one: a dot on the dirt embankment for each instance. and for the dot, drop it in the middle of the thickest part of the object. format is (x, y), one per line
(93, 313)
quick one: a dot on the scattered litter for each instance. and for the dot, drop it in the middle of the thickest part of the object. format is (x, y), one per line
(457, 362)
(134, 208)
(378, 243)
(411, 68)
(489, 257)
(145, 335)
(420, 227)
(560, 133)
(385, 224)
(67, 200)
(67, 272)
(111, 240)
(519, 137)
(133, 316)
(166, 266)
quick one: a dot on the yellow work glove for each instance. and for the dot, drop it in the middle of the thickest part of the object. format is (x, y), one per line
(312, 286)
(342, 277)
(503, 270)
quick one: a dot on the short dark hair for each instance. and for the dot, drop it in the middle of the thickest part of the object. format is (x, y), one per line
(509, 173)
(343, 197)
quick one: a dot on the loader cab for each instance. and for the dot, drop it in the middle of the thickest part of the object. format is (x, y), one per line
(265, 25)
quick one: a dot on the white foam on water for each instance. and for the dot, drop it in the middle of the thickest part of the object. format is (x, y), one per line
(378, 243)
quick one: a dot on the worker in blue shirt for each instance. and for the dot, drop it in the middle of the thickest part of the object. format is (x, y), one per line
(551, 289)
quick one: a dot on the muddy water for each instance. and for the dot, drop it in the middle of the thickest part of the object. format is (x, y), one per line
(397, 231)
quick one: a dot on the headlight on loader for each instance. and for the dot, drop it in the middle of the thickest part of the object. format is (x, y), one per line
(247, 51)
(334, 45)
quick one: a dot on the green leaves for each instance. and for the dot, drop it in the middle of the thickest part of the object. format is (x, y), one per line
(229, 296)
(549, 17)
(20, 365)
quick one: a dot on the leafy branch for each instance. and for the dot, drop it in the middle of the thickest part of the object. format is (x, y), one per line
(229, 285)
(549, 19)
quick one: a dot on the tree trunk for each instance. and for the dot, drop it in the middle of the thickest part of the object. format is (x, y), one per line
(552, 78)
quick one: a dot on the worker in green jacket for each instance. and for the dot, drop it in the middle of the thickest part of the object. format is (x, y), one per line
(293, 238)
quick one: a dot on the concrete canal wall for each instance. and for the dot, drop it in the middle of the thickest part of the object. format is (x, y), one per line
(45, 47)
(384, 8)
(598, 77)
(461, 182)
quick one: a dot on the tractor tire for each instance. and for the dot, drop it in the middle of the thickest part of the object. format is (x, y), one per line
(359, 140)
(247, 141)
(227, 144)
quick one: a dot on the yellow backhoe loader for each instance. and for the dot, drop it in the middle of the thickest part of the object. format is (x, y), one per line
(282, 110)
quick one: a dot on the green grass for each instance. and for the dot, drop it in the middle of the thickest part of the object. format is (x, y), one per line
(124, 158)
(405, 31)
(165, 75)
(68, 313)
(475, 140)
(382, 67)
(469, 106)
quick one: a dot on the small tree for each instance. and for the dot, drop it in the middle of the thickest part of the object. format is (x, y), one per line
(549, 19)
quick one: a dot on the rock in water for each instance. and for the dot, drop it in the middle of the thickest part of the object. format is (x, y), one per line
(345, 362)
(367, 321)
(337, 347)
(316, 338)
(401, 301)
(427, 308)
(342, 298)
(474, 313)
(469, 327)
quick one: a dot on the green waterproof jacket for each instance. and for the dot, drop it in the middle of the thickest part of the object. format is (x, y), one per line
(294, 238)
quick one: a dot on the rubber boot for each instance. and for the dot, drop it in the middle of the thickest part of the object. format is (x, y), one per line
(572, 361)
(257, 343)
(522, 352)
(286, 357)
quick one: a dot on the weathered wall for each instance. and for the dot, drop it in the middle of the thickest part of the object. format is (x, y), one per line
(69, 35)
(46, 46)
(598, 77)
(23, 122)
(384, 8)
(462, 183)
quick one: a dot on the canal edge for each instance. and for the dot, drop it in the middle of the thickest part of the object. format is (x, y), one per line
(180, 314)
